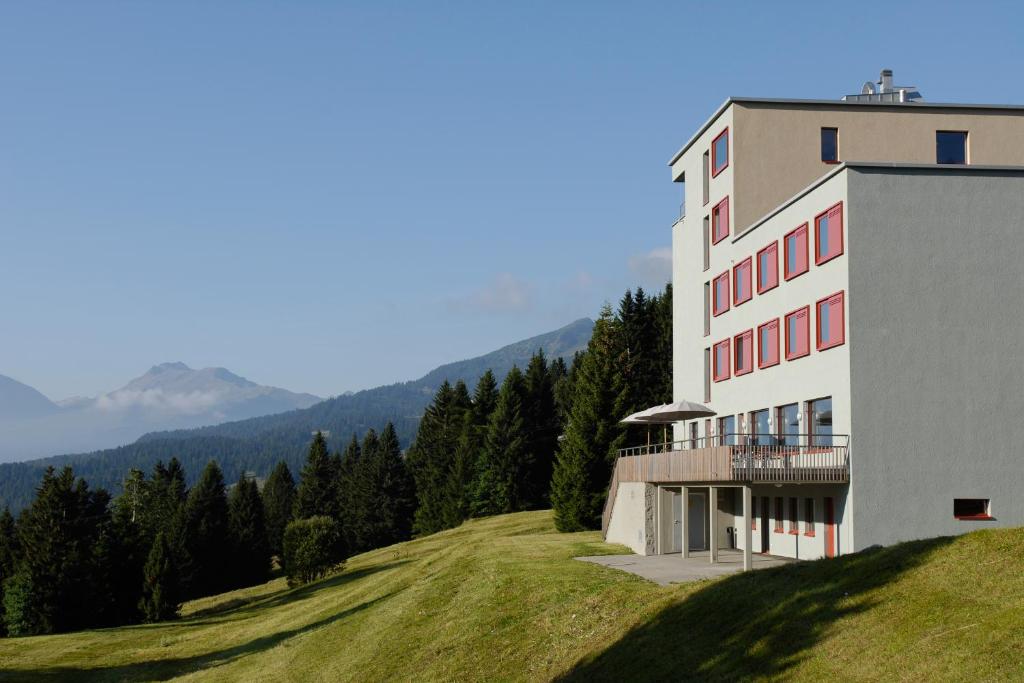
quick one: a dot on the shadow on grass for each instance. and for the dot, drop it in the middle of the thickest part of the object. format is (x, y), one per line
(753, 625)
(166, 669)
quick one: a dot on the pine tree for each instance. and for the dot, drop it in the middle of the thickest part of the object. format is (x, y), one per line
(205, 539)
(346, 486)
(585, 456)
(317, 493)
(8, 557)
(393, 494)
(278, 504)
(459, 489)
(505, 461)
(251, 556)
(540, 415)
(160, 591)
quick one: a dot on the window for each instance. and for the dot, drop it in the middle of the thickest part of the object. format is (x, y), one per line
(795, 258)
(828, 234)
(972, 508)
(768, 268)
(794, 525)
(819, 414)
(682, 194)
(830, 145)
(741, 284)
(778, 515)
(831, 324)
(707, 308)
(720, 294)
(787, 421)
(721, 359)
(753, 513)
(950, 147)
(768, 344)
(720, 153)
(707, 242)
(808, 516)
(707, 178)
(707, 375)
(720, 221)
(798, 333)
(727, 430)
(744, 345)
(693, 434)
(760, 431)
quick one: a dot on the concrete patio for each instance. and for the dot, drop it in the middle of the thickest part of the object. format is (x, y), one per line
(668, 569)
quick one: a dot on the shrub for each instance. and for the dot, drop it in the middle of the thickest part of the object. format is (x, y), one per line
(312, 549)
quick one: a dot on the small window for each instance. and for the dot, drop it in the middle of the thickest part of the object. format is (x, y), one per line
(798, 333)
(721, 361)
(950, 147)
(753, 513)
(768, 344)
(741, 282)
(794, 524)
(693, 434)
(707, 177)
(707, 375)
(831, 327)
(720, 153)
(795, 258)
(778, 515)
(707, 242)
(744, 349)
(830, 145)
(707, 308)
(768, 268)
(720, 221)
(720, 294)
(828, 234)
(682, 196)
(808, 517)
(972, 508)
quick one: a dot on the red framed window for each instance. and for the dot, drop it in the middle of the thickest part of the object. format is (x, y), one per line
(798, 333)
(794, 524)
(720, 294)
(741, 282)
(808, 516)
(743, 344)
(768, 344)
(720, 153)
(720, 361)
(778, 515)
(831, 322)
(720, 221)
(768, 268)
(795, 256)
(828, 234)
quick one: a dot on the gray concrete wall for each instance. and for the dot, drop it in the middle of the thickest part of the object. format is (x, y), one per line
(936, 337)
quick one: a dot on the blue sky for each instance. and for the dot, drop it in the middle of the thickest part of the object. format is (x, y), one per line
(331, 196)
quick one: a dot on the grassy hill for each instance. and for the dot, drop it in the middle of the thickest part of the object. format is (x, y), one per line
(502, 599)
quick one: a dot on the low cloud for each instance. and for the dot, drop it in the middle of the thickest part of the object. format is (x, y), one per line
(158, 400)
(653, 269)
(505, 294)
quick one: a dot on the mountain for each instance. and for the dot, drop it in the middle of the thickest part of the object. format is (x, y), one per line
(168, 396)
(257, 444)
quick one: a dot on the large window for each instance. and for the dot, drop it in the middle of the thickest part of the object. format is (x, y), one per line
(741, 282)
(720, 294)
(744, 346)
(808, 516)
(820, 419)
(828, 234)
(830, 145)
(720, 221)
(795, 256)
(798, 333)
(787, 420)
(794, 524)
(760, 430)
(768, 344)
(950, 147)
(720, 361)
(768, 268)
(720, 153)
(778, 515)
(831, 325)
(727, 430)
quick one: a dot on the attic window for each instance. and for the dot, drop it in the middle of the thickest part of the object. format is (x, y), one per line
(972, 508)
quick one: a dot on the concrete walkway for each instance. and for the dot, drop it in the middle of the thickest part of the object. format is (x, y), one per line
(667, 569)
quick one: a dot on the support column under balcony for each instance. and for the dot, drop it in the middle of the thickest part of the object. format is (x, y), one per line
(748, 536)
(684, 519)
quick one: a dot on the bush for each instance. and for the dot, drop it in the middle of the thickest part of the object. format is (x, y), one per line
(20, 609)
(312, 548)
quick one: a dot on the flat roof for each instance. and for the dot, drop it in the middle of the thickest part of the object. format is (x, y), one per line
(837, 103)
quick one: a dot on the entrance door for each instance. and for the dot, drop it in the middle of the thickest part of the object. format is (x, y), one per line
(766, 534)
(830, 527)
(697, 511)
(677, 522)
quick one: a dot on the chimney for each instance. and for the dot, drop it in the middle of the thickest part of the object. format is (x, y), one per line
(885, 81)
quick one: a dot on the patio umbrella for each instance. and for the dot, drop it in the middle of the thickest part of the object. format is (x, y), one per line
(637, 419)
(670, 413)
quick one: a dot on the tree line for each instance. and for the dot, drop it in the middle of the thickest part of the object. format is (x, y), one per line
(546, 437)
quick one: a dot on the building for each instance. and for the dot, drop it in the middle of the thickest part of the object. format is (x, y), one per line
(847, 280)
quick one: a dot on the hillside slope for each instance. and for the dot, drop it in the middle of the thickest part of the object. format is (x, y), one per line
(502, 599)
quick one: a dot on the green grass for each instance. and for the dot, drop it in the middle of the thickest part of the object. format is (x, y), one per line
(502, 599)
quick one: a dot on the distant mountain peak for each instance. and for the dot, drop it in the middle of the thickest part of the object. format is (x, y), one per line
(165, 367)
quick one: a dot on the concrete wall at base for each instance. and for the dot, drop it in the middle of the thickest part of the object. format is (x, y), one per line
(936, 339)
(627, 525)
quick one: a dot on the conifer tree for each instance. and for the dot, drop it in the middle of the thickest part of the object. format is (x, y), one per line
(460, 486)
(8, 557)
(585, 456)
(159, 600)
(317, 493)
(205, 538)
(540, 415)
(346, 486)
(505, 461)
(251, 556)
(389, 496)
(278, 504)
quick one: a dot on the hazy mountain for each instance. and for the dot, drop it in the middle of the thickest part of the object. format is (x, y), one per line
(256, 444)
(168, 396)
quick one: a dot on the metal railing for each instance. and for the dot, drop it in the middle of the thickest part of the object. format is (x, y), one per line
(787, 443)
